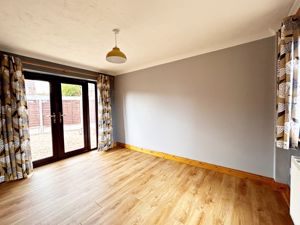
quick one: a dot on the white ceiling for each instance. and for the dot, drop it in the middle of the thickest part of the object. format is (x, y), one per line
(79, 32)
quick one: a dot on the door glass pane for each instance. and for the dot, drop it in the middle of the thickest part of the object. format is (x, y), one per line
(39, 112)
(72, 114)
(92, 112)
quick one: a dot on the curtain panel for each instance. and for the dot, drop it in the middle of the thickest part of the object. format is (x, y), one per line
(288, 85)
(15, 153)
(105, 130)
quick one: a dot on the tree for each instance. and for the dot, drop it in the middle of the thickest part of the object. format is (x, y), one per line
(70, 90)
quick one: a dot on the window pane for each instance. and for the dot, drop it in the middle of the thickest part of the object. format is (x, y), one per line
(39, 112)
(72, 116)
(92, 111)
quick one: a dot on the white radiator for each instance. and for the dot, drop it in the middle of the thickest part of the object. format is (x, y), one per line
(295, 190)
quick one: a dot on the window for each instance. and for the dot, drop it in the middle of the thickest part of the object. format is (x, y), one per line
(62, 116)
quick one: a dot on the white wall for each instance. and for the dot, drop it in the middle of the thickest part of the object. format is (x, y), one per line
(217, 107)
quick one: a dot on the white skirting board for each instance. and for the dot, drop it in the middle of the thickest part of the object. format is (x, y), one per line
(295, 190)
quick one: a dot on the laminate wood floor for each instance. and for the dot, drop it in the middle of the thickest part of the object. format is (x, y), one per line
(127, 187)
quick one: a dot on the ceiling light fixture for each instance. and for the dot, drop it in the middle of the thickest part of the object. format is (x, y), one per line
(115, 55)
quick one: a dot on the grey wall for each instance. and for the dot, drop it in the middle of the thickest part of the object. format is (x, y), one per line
(283, 164)
(217, 107)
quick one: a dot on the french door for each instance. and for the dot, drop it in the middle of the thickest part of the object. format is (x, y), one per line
(62, 116)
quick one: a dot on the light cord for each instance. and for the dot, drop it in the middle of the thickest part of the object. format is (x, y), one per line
(115, 39)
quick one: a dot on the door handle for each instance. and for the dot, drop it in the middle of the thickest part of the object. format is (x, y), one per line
(53, 117)
(61, 116)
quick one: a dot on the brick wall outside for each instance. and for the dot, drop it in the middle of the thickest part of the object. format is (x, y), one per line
(33, 112)
(71, 109)
(46, 112)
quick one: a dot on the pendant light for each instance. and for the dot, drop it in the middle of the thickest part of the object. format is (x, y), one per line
(115, 55)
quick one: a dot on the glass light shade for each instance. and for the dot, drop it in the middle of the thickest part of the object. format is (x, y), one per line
(116, 56)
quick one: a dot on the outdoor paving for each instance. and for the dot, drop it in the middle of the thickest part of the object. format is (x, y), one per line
(41, 143)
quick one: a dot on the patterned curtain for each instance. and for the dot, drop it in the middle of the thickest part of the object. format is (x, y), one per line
(288, 84)
(15, 154)
(105, 135)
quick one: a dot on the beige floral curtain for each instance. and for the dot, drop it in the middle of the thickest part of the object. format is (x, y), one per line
(15, 154)
(288, 84)
(105, 130)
